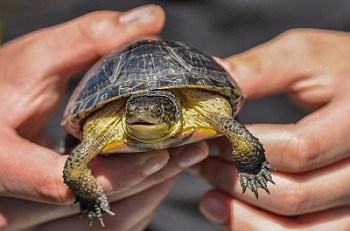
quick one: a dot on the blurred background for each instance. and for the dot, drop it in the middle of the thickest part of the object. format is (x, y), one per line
(217, 27)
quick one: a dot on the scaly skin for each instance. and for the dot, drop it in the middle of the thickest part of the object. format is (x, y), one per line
(213, 111)
(78, 176)
(77, 173)
(248, 154)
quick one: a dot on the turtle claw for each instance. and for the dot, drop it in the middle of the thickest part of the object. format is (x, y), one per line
(244, 183)
(264, 186)
(94, 209)
(258, 180)
(100, 219)
(109, 212)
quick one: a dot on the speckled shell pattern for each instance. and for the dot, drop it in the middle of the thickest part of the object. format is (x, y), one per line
(145, 65)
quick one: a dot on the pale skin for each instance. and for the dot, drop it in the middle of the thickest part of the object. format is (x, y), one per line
(312, 156)
(34, 71)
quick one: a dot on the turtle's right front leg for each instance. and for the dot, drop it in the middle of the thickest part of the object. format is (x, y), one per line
(248, 153)
(78, 176)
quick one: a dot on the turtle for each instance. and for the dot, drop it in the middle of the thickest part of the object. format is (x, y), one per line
(155, 93)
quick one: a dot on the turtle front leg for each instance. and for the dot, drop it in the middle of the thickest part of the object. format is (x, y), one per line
(248, 154)
(78, 176)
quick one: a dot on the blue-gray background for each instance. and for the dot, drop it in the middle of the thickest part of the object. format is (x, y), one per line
(218, 27)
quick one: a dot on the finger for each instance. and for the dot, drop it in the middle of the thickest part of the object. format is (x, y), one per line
(61, 48)
(232, 214)
(181, 158)
(293, 194)
(130, 174)
(17, 214)
(28, 170)
(142, 225)
(269, 63)
(132, 211)
(14, 213)
(35, 173)
(290, 61)
(220, 146)
(118, 173)
(319, 139)
(292, 57)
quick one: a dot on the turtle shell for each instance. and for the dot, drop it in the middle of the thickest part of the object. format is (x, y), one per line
(144, 65)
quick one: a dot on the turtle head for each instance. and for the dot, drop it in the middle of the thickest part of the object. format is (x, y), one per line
(152, 116)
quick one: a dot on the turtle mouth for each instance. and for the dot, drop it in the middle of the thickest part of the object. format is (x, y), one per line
(146, 131)
(144, 123)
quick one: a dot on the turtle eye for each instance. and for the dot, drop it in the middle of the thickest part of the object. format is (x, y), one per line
(158, 111)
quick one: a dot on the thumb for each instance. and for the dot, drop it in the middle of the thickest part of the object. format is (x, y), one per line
(30, 171)
(67, 48)
(273, 66)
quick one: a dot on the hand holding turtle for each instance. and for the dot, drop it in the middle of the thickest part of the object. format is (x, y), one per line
(312, 157)
(34, 72)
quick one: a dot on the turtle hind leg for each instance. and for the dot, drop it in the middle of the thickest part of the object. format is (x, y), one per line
(78, 176)
(248, 153)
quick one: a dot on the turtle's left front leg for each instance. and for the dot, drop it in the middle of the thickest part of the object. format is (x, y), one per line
(248, 153)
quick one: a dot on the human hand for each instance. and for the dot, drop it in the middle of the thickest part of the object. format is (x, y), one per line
(312, 157)
(34, 73)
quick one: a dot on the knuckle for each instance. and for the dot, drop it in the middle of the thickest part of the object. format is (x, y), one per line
(87, 24)
(121, 186)
(55, 191)
(161, 188)
(296, 41)
(296, 200)
(125, 181)
(94, 16)
(92, 19)
(294, 35)
(94, 27)
(158, 176)
(304, 152)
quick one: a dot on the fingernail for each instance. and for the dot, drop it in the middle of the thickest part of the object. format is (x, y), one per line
(140, 16)
(154, 164)
(214, 209)
(214, 150)
(189, 156)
